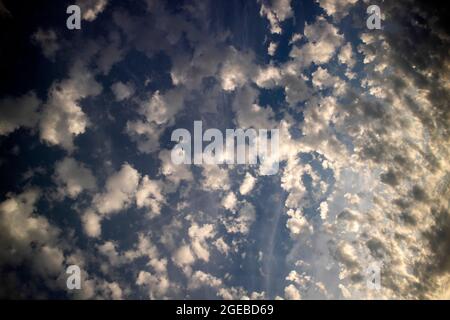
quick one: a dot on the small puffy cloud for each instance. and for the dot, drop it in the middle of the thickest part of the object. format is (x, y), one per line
(248, 184)
(157, 284)
(221, 245)
(199, 236)
(202, 279)
(174, 173)
(241, 222)
(322, 79)
(122, 91)
(62, 118)
(337, 8)
(235, 70)
(229, 201)
(149, 195)
(90, 9)
(73, 177)
(249, 114)
(27, 238)
(91, 223)
(215, 178)
(297, 223)
(323, 40)
(272, 48)
(346, 56)
(48, 41)
(143, 248)
(183, 256)
(18, 112)
(120, 191)
(276, 12)
(158, 112)
(292, 293)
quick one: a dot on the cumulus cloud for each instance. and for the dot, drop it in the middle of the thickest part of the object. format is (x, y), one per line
(63, 119)
(91, 224)
(337, 8)
(18, 112)
(122, 91)
(150, 195)
(276, 12)
(29, 240)
(323, 41)
(48, 41)
(73, 177)
(120, 191)
(158, 112)
(248, 184)
(90, 9)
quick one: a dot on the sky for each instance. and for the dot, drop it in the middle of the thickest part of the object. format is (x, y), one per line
(86, 118)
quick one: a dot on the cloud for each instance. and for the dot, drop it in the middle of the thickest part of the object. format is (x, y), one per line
(229, 201)
(323, 40)
(120, 191)
(272, 48)
(91, 223)
(90, 9)
(241, 223)
(158, 112)
(276, 12)
(248, 184)
(28, 240)
(183, 256)
(122, 91)
(215, 178)
(48, 41)
(73, 178)
(62, 118)
(150, 195)
(18, 112)
(201, 279)
(297, 224)
(337, 9)
(292, 293)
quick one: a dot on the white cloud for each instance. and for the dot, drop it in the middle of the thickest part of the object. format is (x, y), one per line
(120, 191)
(297, 223)
(149, 195)
(215, 178)
(63, 119)
(292, 293)
(272, 48)
(346, 55)
(337, 8)
(241, 222)
(91, 223)
(18, 112)
(159, 111)
(235, 69)
(183, 256)
(323, 40)
(276, 12)
(122, 91)
(221, 245)
(199, 236)
(202, 279)
(90, 9)
(248, 184)
(73, 177)
(48, 41)
(157, 284)
(229, 201)
(28, 238)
